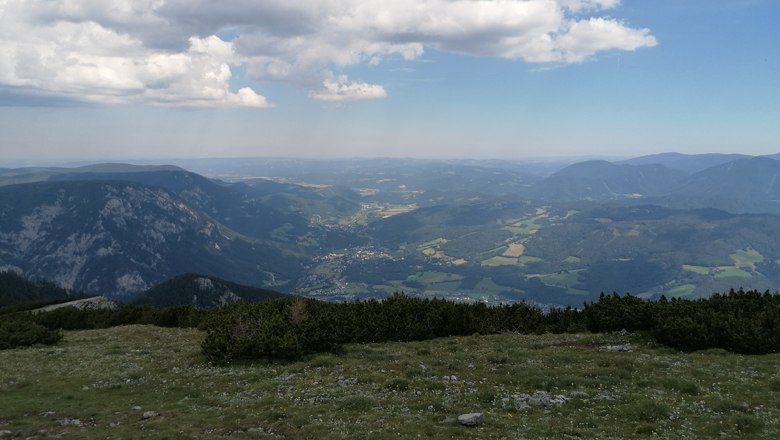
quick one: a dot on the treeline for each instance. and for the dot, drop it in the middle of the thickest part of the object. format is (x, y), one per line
(18, 290)
(289, 329)
(742, 322)
(23, 329)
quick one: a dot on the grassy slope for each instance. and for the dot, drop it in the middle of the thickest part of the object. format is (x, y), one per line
(386, 390)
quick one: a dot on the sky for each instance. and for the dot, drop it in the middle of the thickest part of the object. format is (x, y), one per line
(154, 79)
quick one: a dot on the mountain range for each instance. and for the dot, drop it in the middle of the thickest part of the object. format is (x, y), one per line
(680, 225)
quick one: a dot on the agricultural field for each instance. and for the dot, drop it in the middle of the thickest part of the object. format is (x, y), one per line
(745, 261)
(143, 381)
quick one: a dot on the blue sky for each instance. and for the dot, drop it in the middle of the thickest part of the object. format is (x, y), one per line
(690, 76)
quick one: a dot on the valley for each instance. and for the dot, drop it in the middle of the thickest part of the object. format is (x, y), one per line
(355, 229)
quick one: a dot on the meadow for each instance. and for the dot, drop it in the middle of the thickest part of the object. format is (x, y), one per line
(145, 381)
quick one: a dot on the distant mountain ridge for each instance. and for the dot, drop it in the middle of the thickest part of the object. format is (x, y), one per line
(456, 228)
(688, 163)
(119, 238)
(202, 292)
(602, 180)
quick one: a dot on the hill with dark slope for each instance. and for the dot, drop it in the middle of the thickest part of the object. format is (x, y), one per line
(236, 210)
(602, 180)
(757, 176)
(120, 238)
(314, 204)
(263, 210)
(15, 289)
(688, 163)
(742, 186)
(202, 292)
(11, 176)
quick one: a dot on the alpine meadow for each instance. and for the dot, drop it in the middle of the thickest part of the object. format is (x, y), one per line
(340, 219)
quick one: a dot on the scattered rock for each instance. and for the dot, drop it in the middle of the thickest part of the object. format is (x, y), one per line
(471, 419)
(617, 348)
(6, 434)
(345, 381)
(69, 421)
(136, 408)
(542, 398)
(605, 396)
(149, 414)
(47, 414)
(539, 398)
(449, 420)
(452, 378)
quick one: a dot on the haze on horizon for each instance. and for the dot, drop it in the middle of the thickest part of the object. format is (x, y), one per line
(146, 79)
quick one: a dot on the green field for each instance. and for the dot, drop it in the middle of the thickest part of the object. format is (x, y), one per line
(732, 272)
(683, 290)
(567, 278)
(527, 259)
(525, 226)
(747, 258)
(99, 383)
(701, 270)
(500, 261)
(434, 242)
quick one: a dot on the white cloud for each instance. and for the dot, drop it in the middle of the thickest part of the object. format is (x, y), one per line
(588, 5)
(341, 89)
(587, 37)
(166, 52)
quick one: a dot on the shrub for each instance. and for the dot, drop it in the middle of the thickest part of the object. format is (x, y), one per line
(23, 333)
(288, 329)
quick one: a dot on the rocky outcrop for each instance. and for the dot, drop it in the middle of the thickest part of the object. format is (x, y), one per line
(94, 303)
(543, 399)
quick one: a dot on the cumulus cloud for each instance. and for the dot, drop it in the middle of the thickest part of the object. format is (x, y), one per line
(341, 89)
(167, 52)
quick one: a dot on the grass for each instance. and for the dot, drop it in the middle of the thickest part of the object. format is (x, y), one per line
(747, 258)
(432, 243)
(732, 272)
(566, 278)
(683, 290)
(700, 270)
(526, 259)
(526, 226)
(499, 261)
(393, 390)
